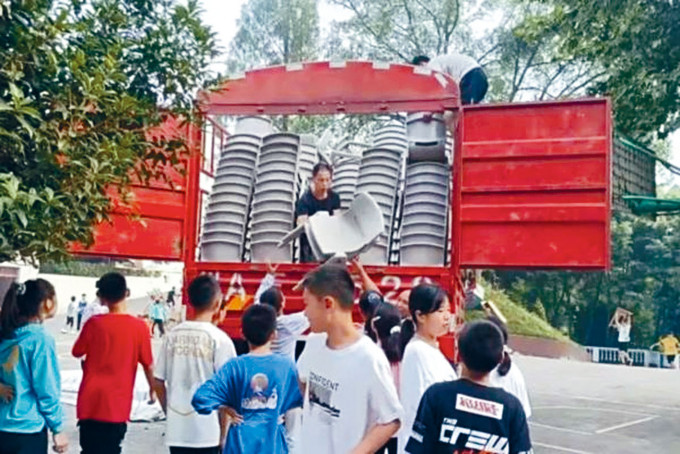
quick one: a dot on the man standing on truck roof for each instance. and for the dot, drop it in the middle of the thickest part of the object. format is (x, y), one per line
(465, 70)
(319, 197)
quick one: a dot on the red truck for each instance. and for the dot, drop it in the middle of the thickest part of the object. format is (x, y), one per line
(531, 181)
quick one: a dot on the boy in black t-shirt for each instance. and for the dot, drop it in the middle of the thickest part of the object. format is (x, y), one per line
(466, 416)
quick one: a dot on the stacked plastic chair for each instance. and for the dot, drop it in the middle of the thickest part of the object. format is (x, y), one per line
(426, 137)
(423, 233)
(274, 197)
(345, 177)
(379, 176)
(226, 216)
(392, 135)
(254, 125)
(307, 159)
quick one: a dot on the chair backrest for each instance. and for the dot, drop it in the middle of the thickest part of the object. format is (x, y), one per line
(350, 233)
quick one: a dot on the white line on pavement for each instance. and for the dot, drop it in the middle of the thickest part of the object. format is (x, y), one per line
(560, 448)
(561, 429)
(606, 410)
(615, 402)
(627, 424)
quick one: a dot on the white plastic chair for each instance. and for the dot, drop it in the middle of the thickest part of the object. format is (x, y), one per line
(347, 234)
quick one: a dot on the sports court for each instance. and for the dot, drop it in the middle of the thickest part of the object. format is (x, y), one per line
(585, 408)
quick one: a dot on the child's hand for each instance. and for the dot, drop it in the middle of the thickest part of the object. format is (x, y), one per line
(236, 418)
(6, 393)
(271, 269)
(60, 442)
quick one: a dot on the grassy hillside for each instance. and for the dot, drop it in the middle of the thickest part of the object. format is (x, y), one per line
(520, 320)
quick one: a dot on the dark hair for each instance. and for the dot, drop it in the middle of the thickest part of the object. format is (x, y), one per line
(331, 280)
(73, 298)
(202, 291)
(258, 323)
(386, 324)
(418, 59)
(481, 346)
(22, 303)
(272, 297)
(506, 362)
(369, 302)
(426, 299)
(111, 287)
(321, 166)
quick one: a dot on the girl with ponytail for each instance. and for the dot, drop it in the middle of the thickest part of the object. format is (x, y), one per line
(28, 364)
(507, 375)
(385, 327)
(423, 363)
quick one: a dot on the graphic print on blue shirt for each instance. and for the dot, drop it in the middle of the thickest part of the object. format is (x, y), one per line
(261, 389)
(260, 397)
(321, 392)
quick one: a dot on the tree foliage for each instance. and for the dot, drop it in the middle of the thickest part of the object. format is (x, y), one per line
(637, 45)
(398, 29)
(80, 83)
(645, 278)
(273, 32)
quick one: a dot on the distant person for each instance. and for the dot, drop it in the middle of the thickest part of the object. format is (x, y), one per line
(158, 313)
(623, 325)
(94, 308)
(507, 375)
(351, 403)
(191, 354)
(669, 346)
(260, 387)
(29, 370)
(423, 363)
(82, 304)
(113, 345)
(467, 415)
(71, 311)
(171, 297)
(465, 70)
(319, 197)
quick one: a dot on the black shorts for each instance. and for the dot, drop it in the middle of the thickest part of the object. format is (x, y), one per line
(623, 346)
(473, 86)
(670, 358)
(178, 450)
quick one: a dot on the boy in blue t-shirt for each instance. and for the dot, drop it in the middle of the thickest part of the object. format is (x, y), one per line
(260, 387)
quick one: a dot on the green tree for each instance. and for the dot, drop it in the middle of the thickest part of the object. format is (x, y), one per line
(80, 83)
(398, 29)
(645, 278)
(635, 42)
(273, 32)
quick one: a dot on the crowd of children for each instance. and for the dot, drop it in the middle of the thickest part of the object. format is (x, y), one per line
(383, 387)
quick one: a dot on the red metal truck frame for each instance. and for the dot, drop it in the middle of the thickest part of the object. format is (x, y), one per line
(531, 181)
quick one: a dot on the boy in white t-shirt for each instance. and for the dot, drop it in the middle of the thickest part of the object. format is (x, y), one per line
(191, 354)
(351, 403)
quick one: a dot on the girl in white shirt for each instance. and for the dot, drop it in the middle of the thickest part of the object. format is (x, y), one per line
(507, 375)
(423, 364)
(385, 325)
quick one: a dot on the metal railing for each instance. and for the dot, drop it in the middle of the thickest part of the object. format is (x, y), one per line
(640, 357)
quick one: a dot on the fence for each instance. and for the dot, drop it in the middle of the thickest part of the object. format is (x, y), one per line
(640, 357)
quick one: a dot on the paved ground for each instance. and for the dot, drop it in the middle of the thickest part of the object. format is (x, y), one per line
(579, 408)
